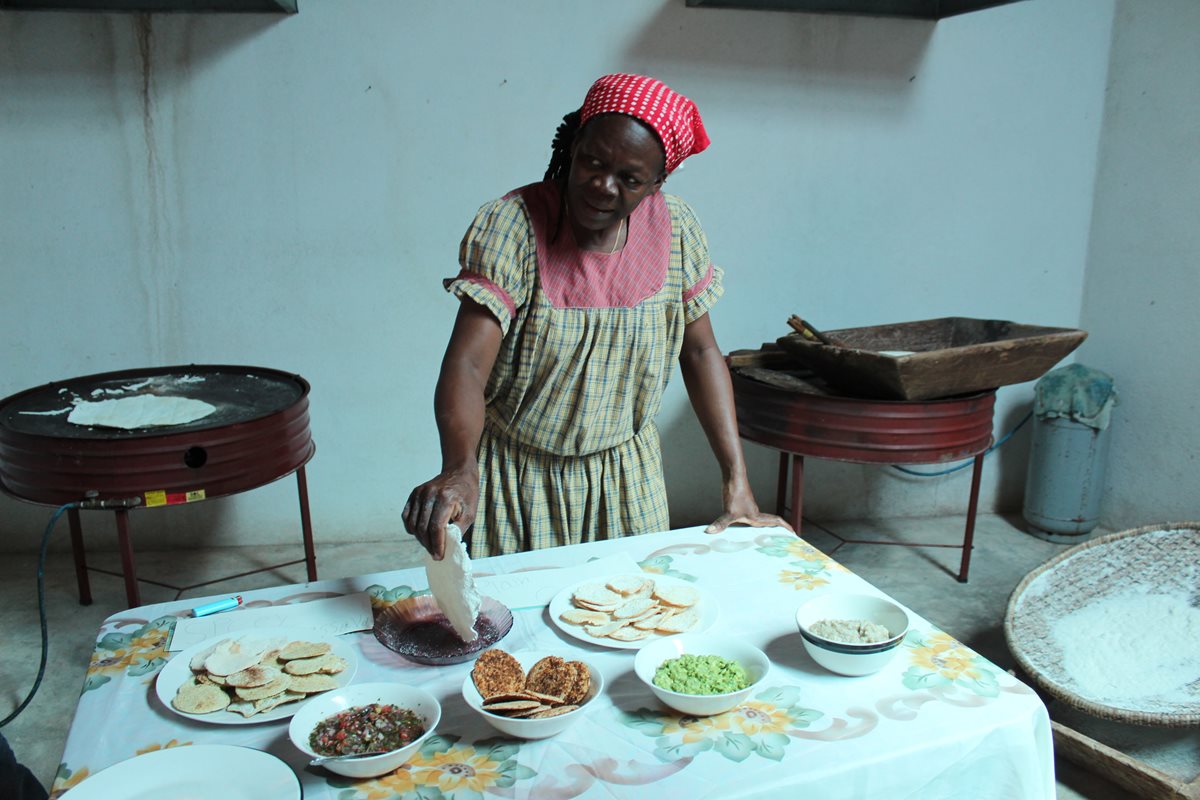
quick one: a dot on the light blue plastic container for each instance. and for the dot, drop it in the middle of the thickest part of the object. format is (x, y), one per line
(1064, 485)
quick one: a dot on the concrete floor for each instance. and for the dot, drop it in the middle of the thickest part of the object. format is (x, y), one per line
(922, 578)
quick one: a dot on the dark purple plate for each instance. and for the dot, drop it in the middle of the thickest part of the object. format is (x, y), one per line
(418, 630)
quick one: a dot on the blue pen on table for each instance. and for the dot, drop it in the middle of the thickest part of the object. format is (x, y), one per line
(216, 606)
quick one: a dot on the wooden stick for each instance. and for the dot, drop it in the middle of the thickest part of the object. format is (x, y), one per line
(809, 332)
(760, 358)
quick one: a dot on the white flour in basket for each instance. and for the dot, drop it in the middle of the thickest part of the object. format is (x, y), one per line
(1132, 645)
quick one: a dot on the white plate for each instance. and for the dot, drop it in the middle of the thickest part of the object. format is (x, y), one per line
(178, 670)
(562, 602)
(197, 772)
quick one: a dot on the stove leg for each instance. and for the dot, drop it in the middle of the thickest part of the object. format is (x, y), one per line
(310, 554)
(81, 575)
(969, 534)
(797, 492)
(781, 486)
(132, 595)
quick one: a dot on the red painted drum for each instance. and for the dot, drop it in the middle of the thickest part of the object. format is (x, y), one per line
(811, 422)
(258, 433)
(864, 431)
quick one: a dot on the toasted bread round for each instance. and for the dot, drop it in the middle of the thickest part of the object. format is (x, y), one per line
(583, 616)
(329, 664)
(244, 707)
(497, 672)
(197, 662)
(553, 712)
(681, 622)
(678, 596)
(512, 705)
(600, 631)
(596, 594)
(200, 698)
(277, 686)
(629, 634)
(257, 675)
(581, 682)
(649, 623)
(546, 699)
(550, 675)
(267, 703)
(626, 585)
(235, 655)
(635, 608)
(310, 684)
(295, 650)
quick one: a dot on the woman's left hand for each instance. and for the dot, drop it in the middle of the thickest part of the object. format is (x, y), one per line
(741, 509)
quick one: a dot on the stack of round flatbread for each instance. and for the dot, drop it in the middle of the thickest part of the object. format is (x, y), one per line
(553, 685)
(252, 675)
(633, 607)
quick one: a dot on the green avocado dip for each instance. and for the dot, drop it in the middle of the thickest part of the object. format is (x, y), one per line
(691, 674)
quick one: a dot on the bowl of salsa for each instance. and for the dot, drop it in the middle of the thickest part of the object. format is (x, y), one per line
(388, 719)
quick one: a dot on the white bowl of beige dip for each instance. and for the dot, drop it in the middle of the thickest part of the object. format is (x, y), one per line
(851, 634)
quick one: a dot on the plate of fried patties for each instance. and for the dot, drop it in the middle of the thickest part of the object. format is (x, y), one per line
(253, 676)
(628, 611)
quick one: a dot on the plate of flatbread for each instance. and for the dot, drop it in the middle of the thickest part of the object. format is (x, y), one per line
(628, 611)
(254, 676)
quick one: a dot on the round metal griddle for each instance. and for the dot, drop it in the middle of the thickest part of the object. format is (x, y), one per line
(258, 433)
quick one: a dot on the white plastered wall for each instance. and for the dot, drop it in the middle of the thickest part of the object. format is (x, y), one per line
(289, 191)
(1143, 276)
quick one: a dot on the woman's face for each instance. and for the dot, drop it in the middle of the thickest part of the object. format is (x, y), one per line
(616, 162)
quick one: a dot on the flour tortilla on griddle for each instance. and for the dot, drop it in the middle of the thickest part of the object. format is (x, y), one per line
(453, 585)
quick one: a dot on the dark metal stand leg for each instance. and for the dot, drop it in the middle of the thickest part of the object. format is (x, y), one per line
(797, 492)
(81, 575)
(310, 554)
(969, 534)
(131, 587)
(781, 487)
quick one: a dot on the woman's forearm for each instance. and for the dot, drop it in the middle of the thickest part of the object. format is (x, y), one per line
(458, 406)
(711, 393)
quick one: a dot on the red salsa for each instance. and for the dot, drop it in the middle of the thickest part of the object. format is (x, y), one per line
(364, 729)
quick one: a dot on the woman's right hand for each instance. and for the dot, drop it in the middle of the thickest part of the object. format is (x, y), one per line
(452, 496)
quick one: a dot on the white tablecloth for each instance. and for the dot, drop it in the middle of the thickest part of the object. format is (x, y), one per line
(939, 722)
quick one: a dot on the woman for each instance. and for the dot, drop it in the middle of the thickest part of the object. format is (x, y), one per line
(577, 296)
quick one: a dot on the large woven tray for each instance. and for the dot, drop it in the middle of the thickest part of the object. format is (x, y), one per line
(1162, 559)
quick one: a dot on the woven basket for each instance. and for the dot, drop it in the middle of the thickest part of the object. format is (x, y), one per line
(1158, 557)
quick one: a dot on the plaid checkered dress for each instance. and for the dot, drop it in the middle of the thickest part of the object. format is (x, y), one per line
(570, 452)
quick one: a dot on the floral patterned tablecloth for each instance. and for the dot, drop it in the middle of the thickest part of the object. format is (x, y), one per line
(939, 722)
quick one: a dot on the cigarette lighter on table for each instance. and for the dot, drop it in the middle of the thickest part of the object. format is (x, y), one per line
(224, 604)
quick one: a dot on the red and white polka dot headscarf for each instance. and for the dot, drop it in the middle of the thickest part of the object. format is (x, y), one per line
(672, 116)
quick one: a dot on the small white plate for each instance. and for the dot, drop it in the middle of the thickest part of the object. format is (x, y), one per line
(197, 772)
(178, 670)
(706, 606)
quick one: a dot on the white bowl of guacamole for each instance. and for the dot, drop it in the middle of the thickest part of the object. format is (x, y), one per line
(701, 674)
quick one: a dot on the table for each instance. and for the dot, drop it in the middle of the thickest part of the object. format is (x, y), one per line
(256, 433)
(939, 722)
(861, 431)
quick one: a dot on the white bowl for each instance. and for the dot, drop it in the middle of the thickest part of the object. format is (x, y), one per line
(650, 657)
(852, 659)
(360, 694)
(533, 728)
